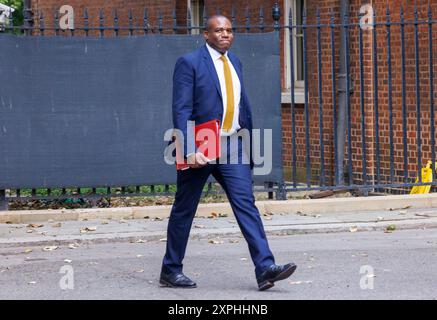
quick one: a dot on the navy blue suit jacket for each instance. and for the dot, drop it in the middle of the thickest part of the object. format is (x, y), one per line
(197, 95)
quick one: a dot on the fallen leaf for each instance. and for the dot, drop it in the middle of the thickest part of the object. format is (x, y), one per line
(158, 219)
(57, 225)
(67, 260)
(29, 231)
(50, 248)
(34, 225)
(163, 239)
(234, 241)
(390, 228)
(140, 241)
(213, 215)
(27, 250)
(223, 215)
(73, 245)
(403, 208)
(87, 229)
(353, 229)
(215, 241)
(267, 218)
(104, 222)
(199, 226)
(140, 271)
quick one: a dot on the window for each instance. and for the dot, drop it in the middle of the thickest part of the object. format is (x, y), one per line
(196, 7)
(297, 8)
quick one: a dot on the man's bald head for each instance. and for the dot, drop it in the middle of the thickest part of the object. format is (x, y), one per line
(218, 33)
(212, 19)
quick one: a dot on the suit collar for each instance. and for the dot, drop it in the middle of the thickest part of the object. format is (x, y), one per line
(210, 65)
(215, 55)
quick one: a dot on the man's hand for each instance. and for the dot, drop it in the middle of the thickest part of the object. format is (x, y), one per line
(197, 160)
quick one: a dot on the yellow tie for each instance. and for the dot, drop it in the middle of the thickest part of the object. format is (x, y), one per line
(229, 116)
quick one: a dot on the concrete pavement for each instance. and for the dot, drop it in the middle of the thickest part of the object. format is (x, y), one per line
(215, 225)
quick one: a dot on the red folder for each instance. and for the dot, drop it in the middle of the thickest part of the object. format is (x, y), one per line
(207, 140)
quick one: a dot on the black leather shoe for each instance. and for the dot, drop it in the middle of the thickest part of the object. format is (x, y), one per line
(176, 280)
(274, 273)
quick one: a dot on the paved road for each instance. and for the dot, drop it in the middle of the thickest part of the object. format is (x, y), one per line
(398, 265)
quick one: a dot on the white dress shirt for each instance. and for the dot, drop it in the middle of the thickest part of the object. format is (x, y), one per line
(218, 63)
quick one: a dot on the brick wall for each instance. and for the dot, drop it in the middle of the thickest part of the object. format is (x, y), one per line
(368, 93)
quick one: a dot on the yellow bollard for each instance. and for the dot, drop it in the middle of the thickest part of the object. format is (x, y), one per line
(426, 177)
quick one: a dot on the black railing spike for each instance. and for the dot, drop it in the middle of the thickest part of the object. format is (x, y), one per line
(416, 14)
(131, 24)
(233, 19)
(261, 18)
(41, 22)
(56, 22)
(332, 16)
(276, 15)
(247, 19)
(101, 23)
(387, 13)
(189, 24)
(85, 21)
(146, 21)
(11, 21)
(159, 21)
(116, 22)
(205, 16)
(290, 18)
(175, 21)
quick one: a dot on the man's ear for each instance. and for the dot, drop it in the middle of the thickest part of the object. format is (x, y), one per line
(205, 35)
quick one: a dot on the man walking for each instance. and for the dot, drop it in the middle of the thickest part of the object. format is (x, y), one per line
(208, 85)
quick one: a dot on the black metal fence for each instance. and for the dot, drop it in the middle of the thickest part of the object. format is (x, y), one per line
(366, 121)
(94, 195)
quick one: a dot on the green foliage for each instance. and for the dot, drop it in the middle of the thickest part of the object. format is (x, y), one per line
(18, 17)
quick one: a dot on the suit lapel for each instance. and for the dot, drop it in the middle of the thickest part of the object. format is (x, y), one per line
(211, 68)
(236, 67)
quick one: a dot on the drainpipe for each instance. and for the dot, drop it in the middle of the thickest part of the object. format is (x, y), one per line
(342, 98)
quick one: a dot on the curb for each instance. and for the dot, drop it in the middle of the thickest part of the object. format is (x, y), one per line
(310, 206)
(287, 230)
